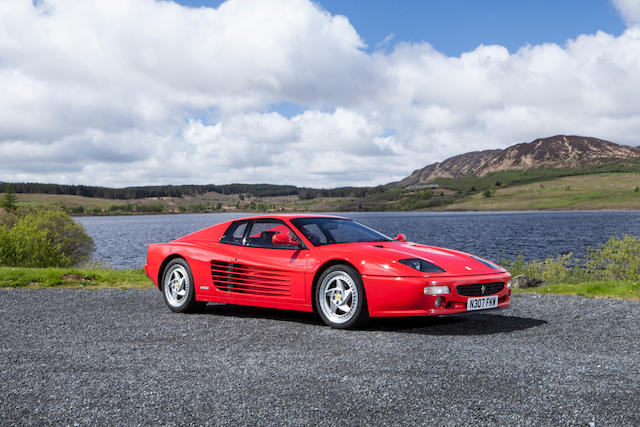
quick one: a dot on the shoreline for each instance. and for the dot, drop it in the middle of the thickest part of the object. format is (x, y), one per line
(283, 212)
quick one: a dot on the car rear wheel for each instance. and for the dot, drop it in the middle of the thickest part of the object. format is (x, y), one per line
(178, 288)
(340, 297)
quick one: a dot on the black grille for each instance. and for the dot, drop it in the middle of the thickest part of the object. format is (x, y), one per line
(479, 289)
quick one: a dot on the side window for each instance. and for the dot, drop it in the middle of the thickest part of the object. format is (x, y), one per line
(314, 234)
(344, 231)
(234, 233)
(262, 232)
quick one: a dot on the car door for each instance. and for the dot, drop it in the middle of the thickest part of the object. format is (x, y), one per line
(225, 260)
(264, 271)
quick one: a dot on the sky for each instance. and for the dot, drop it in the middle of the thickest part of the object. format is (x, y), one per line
(320, 94)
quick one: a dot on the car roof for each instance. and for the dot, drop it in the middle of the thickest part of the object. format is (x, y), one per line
(289, 216)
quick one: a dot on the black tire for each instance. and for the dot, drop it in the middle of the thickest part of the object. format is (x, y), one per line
(178, 289)
(340, 298)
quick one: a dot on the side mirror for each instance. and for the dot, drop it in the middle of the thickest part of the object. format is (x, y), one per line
(401, 237)
(284, 239)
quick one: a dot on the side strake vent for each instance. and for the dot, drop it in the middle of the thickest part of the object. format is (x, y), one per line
(245, 279)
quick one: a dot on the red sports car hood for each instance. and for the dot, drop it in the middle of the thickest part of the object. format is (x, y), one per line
(453, 262)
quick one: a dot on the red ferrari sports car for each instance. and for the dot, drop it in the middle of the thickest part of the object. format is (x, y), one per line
(345, 271)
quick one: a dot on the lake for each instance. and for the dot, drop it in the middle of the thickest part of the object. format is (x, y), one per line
(121, 241)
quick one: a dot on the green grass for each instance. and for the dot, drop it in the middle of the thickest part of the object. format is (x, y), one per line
(597, 289)
(97, 278)
(603, 191)
(88, 203)
(18, 277)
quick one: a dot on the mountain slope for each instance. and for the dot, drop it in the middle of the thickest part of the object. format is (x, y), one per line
(582, 192)
(556, 151)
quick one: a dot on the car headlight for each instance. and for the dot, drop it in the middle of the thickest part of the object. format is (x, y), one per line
(437, 290)
(509, 284)
(421, 265)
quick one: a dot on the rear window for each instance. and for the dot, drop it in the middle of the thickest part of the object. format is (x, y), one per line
(235, 233)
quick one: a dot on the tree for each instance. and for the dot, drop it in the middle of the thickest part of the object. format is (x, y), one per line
(8, 201)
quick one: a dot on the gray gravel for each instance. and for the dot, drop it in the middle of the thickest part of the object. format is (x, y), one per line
(121, 357)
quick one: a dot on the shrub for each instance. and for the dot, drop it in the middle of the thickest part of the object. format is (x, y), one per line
(549, 270)
(44, 238)
(77, 210)
(617, 259)
(120, 208)
(149, 207)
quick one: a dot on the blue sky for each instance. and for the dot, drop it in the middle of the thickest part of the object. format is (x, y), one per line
(456, 26)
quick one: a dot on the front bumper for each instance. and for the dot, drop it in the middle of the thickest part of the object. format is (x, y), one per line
(404, 296)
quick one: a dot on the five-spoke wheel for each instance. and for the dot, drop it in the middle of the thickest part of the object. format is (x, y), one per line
(340, 297)
(177, 286)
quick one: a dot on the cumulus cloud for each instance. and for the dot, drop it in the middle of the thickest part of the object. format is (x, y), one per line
(145, 92)
(629, 9)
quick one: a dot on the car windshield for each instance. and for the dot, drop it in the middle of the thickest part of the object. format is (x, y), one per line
(329, 231)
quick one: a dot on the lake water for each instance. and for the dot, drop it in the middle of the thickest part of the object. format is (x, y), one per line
(122, 241)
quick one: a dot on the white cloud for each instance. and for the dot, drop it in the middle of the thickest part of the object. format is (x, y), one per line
(141, 92)
(629, 9)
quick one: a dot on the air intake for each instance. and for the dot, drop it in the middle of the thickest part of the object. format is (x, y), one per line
(246, 279)
(479, 289)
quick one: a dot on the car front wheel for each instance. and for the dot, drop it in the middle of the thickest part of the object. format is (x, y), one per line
(178, 288)
(340, 297)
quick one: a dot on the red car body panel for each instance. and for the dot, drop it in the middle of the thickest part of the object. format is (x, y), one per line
(284, 278)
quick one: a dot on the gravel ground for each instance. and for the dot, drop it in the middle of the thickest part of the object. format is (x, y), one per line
(121, 357)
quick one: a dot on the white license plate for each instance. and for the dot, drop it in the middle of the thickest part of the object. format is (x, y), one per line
(482, 303)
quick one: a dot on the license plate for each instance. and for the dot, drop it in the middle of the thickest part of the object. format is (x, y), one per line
(482, 303)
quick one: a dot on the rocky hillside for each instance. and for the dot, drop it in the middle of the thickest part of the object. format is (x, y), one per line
(559, 151)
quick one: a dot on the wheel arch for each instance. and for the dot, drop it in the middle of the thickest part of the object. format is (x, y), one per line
(321, 269)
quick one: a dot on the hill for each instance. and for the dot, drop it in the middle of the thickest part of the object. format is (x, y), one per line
(560, 151)
(582, 192)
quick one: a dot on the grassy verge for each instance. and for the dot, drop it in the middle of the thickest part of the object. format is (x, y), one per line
(94, 278)
(598, 289)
